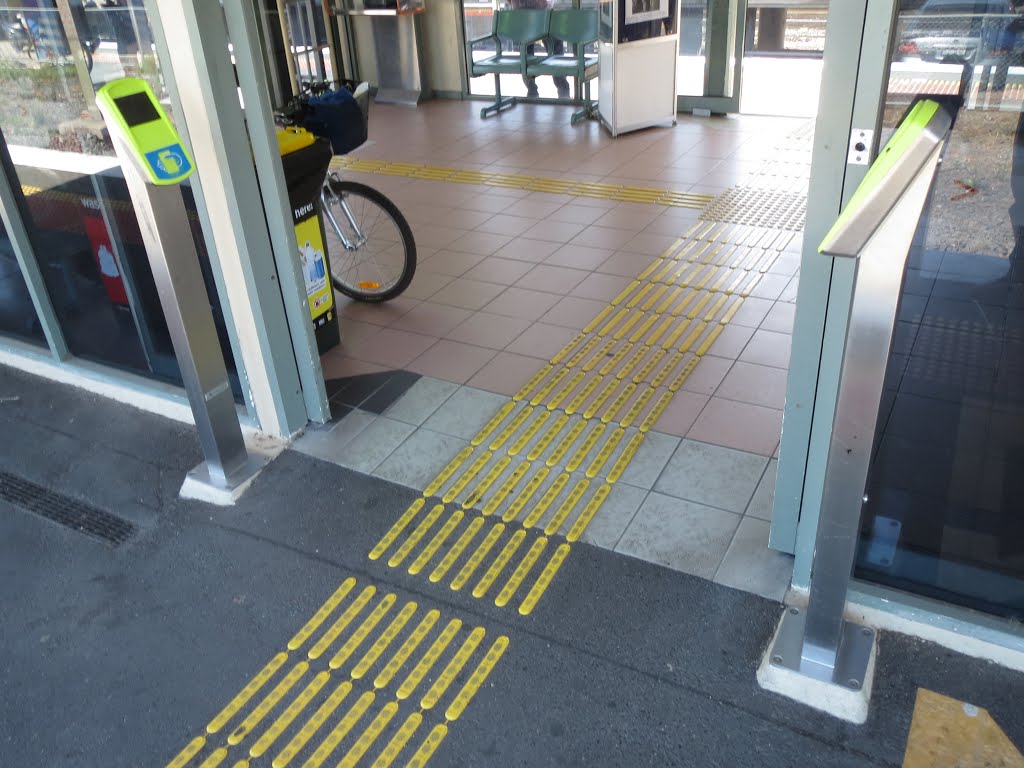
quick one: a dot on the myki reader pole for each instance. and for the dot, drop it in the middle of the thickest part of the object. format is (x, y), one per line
(154, 161)
(818, 656)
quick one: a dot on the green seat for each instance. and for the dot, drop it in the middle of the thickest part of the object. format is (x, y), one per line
(522, 27)
(577, 28)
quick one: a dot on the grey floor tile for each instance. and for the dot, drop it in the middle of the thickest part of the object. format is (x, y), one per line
(681, 535)
(374, 444)
(761, 505)
(421, 401)
(420, 458)
(329, 445)
(751, 566)
(614, 516)
(650, 459)
(710, 474)
(465, 412)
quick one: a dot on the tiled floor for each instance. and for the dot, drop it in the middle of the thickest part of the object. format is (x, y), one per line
(507, 277)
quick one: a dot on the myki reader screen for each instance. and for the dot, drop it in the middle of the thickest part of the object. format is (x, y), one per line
(139, 124)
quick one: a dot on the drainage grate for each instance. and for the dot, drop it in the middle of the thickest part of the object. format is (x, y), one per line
(80, 517)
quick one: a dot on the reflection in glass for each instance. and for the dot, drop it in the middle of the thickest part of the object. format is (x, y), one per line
(17, 313)
(945, 511)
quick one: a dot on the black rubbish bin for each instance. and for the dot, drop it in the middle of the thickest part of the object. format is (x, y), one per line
(305, 159)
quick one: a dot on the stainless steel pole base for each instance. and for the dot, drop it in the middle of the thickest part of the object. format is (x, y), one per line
(843, 690)
(201, 485)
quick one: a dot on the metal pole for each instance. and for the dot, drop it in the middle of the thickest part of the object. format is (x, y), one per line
(286, 39)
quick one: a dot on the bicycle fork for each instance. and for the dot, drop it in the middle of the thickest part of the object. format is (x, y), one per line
(327, 197)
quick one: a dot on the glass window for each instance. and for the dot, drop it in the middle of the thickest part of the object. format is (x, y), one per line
(17, 314)
(80, 217)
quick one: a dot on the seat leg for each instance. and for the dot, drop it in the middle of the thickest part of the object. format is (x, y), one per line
(589, 107)
(499, 103)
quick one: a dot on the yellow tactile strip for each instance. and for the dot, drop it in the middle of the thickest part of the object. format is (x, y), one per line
(521, 181)
(501, 517)
(366, 678)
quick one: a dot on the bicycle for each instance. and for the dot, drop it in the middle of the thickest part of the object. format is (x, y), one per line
(374, 258)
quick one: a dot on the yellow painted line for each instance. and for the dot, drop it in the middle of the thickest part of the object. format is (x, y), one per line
(663, 326)
(398, 741)
(387, 637)
(574, 382)
(694, 336)
(439, 539)
(669, 300)
(606, 453)
(428, 747)
(191, 750)
(267, 739)
(215, 758)
(626, 327)
(691, 270)
(640, 295)
(585, 350)
(506, 488)
(343, 621)
(615, 359)
(549, 496)
(663, 272)
(269, 702)
(678, 309)
(368, 625)
(401, 524)
(566, 442)
(555, 523)
(321, 615)
(395, 663)
(731, 312)
(636, 408)
(588, 513)
(699, 306)
(508, 431)
(627, 456)
(602, 315)
(553, 382)
(405, 690)
(611, 324)
(520, 573)
(416, 536)
(681, 377)
(588, 443)
(643, 328)
(539, 586)
(654, 298)
(438, 482)
(447, 677)
(312, 725)
(711, 338)
(673, 337)
(620, 402)
(477, 557)
(453, 554)
(465, 453)
(528, 433)
(545, 439)
(656, 411)
(369, 736)
(538, 377)
(523, 498)
(716, 308)
(476, 680)
(602, 397)
(488, 480)
(582, 395)
(467, 477)
(651, 267)
(644, 372)
(625, 292)
(247, 693)
(661, 375)
(340, 731)
(633, 361)
(499, 564)
(564, 351)
(601, 354)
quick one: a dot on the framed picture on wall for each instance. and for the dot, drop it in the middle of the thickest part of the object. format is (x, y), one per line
(645, 10)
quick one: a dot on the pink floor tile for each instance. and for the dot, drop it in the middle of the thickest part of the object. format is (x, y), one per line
(394, 349)
(432, 319)
(756, 384)
(579, 257)
(604, 237)
(489, 330)
(425, 284)
(752, 312)
(542, 340)
(731, 341)
(483, 243)
(768, 348)
(499, 271)
(537, 209)
(741, 426)
(555, 231)
(559, 280)
(451, 263)
(680, 414)
(503, 224)
(629, 216)
(573, 312)
(336, 365)
(625, 264)
(525, 249)
(383, 313)
(506, 373)
(577, 214)
(468, 294)
(649, 244)
(522, 302)
(436, 236)
(708, 375)
(780, 318)
(451, 361)
(601, 287)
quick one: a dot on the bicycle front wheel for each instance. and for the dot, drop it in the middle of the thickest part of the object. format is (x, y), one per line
(370, 244)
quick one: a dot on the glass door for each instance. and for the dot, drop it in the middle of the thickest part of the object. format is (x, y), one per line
(708, 69)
